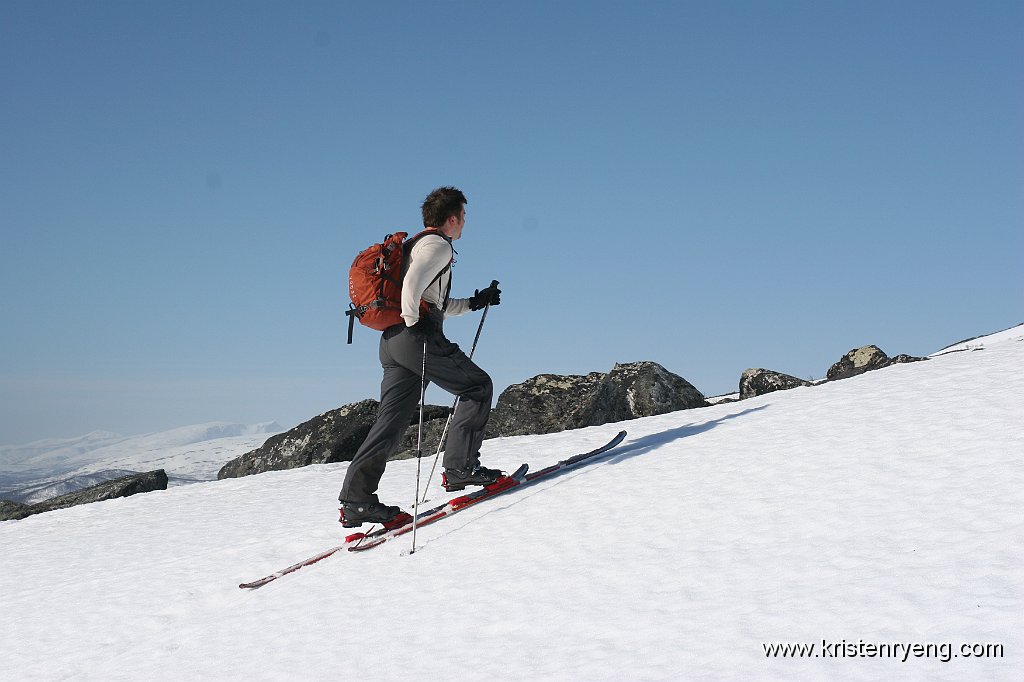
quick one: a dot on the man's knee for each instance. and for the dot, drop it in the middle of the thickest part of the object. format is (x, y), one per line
(482, 391)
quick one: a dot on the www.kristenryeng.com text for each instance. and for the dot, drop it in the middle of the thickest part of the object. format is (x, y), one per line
(901, 651)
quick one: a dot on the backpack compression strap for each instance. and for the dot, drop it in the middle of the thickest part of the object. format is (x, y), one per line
(353, 312)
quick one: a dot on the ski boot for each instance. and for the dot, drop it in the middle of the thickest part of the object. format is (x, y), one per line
(458, 479)
(355, 514)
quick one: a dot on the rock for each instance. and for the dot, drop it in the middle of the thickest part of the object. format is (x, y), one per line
(858, 361)
(124, 486)
(330, 437)
(433, 427)
(13, 510)
(549, 403)
(758, 381)
(542, 404)
(903, 358)
(637, 389)
(865, 359)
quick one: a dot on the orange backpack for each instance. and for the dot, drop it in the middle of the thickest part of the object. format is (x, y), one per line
(375, 282)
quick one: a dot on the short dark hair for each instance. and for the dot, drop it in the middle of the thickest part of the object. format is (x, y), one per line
(441, 204)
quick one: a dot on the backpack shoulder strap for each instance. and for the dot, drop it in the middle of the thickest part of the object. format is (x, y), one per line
(412, 240)
(408, 246)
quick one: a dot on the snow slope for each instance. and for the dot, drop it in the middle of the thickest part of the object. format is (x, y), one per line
(881, 509)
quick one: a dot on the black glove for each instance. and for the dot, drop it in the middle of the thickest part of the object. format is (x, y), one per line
(426, 329)
(484, 297)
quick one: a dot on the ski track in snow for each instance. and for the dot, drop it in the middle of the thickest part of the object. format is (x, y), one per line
(883, 508)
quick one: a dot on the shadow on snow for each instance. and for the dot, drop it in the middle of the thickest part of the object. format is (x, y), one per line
(642, 446)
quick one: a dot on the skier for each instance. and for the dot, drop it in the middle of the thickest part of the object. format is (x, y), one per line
(425, 304)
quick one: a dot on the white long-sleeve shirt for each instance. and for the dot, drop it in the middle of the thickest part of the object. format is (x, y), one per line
(427, 257)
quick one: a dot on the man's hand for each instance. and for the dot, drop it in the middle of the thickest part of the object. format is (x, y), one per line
(424, 330)
(484, 297)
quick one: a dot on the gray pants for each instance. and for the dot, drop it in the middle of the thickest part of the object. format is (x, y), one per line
(402, 358)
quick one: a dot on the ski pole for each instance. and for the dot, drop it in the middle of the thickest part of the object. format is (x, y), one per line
(419, 445)
(444, 433)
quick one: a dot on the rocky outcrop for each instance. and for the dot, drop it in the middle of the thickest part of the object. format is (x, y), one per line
(545, 403)
(119, 487)
(758, 381)
(549, 403)
(331, 437)
(903, 357)
(637, 389)
(865, 359)
(10, 509)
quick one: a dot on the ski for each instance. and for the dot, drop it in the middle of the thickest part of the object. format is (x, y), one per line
(291, 569)
(361, 542)
(322, 555)
(358, 542)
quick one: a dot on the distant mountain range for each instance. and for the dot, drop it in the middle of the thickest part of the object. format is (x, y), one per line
(46, 468)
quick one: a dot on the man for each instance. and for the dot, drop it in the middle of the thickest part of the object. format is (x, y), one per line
(425, 304)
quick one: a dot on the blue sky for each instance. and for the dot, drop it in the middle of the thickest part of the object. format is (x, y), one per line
(713, 186)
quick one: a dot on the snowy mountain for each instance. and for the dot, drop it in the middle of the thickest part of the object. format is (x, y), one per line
(30, 493)
(873, 524)
(47, 468)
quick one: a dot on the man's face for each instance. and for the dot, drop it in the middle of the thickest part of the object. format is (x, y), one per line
(453, 228)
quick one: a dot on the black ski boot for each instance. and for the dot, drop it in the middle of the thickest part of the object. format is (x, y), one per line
(457, 479)
(357, 513)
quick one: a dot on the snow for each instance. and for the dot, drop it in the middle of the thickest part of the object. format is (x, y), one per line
(981, 342)
(880, 509)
